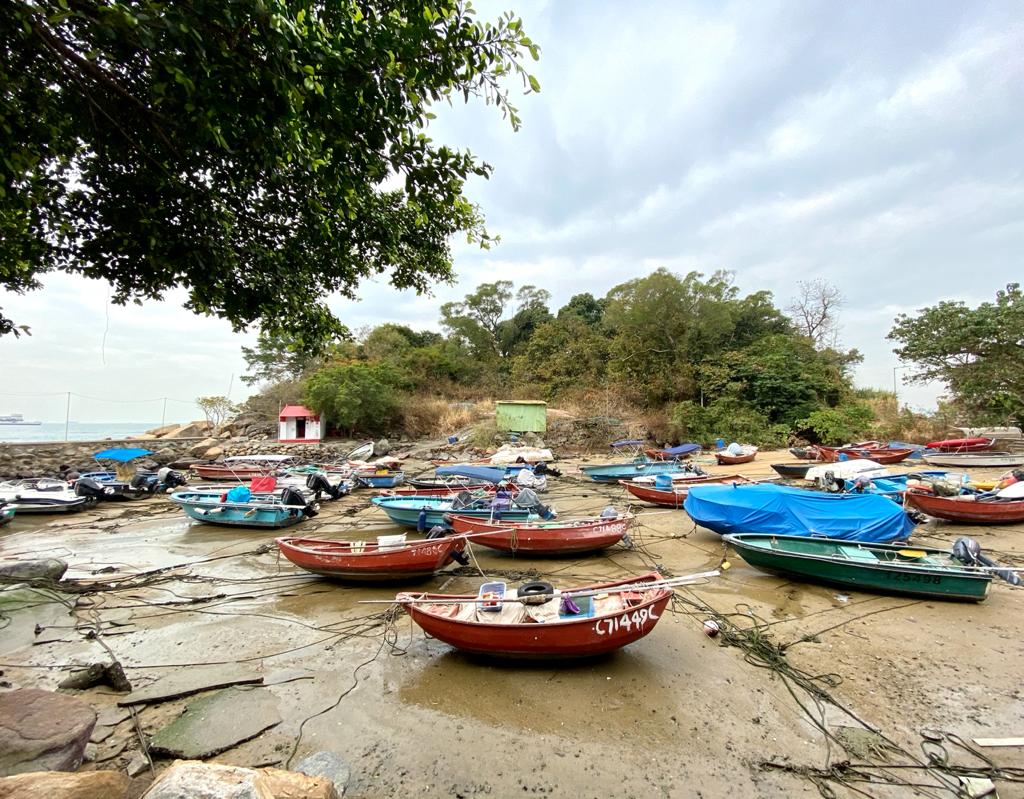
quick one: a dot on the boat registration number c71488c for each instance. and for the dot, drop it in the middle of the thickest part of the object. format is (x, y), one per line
(636, 619)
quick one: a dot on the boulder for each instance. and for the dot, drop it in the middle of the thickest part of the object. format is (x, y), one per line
(42, 731)
(24, 571)
(197, 450)
(160, 432)
(382, 447)
(62, 785)
(327, 765)
(213, 453)
(190, 430)
(188, 779)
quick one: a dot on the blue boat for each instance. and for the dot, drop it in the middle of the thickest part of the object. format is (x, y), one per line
(781, 510)
(426, 512)
(893, 486)
(384, 480)
(613, 472)
(485, 474)
(271, 511)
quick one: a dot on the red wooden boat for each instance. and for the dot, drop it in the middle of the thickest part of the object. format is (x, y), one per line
(368, 561)
(965, 509)
(234, 471)
(725, 459)
(610, 620)
(978, 444)
(883, 455)
(675, 497)
(567, 537)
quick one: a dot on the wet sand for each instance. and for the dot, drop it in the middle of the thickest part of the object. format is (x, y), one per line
(676, 714)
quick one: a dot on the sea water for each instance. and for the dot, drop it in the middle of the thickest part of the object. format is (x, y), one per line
(76, 431)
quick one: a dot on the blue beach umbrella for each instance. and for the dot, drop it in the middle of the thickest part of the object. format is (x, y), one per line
(121, 454)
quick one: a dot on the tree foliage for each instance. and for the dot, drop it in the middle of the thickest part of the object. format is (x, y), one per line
(356, 396)
(242, 150)
(691, 348)
(217, 410)
(977, 352)
(281, 357)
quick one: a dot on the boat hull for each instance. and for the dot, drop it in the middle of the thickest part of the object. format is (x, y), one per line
(614, 472)
(896, 576)
(725, 459)
(269, 517)
(793, 471)
(564, 639)
(876, 454)
(339, 560)
(952, 509)
(675, 497)
(544, 538)
(994, 460)
(223, 472)
(380, 481)
(6, 515)
(977, 444)
(406, 512)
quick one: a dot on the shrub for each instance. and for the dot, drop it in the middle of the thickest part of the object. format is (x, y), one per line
(839, 425)
(728, 419)
(356, 396)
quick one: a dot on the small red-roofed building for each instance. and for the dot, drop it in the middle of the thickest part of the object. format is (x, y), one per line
(299, 425)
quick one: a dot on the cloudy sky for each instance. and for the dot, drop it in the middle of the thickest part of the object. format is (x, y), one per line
(876, 145)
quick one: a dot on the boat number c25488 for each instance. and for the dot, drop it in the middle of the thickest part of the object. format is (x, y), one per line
(627, 621)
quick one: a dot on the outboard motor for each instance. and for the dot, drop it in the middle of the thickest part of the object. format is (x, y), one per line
(968, 552)
(319, 483)
(830, 483)
(528, 500)
(462, 500)
(143, 480)
(295, 498)
(87, 487)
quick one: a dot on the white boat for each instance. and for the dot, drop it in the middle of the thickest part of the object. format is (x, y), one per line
(847, 469)
(16, 418)
(995, 460)
(43, 495)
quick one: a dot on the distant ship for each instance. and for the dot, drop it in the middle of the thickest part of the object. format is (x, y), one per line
(15, 418)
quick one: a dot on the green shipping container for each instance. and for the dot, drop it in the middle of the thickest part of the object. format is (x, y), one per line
(522, 416)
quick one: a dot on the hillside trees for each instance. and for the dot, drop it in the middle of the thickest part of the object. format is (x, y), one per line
(690, 349)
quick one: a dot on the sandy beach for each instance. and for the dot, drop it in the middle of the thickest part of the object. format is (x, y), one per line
(778, 705)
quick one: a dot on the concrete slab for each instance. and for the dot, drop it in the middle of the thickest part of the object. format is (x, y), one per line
(191, 680)
(217, 722)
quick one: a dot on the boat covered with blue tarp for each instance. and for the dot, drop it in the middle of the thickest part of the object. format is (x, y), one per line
(486, 474)
(783, 510)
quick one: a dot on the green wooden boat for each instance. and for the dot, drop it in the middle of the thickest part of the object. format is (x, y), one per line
(886, 568)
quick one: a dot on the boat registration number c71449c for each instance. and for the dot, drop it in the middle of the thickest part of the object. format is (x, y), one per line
(630, 620)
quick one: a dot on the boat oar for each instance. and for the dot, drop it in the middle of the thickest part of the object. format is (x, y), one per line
(617, 589)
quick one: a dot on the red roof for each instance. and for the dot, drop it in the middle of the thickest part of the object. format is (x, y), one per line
(295, 410)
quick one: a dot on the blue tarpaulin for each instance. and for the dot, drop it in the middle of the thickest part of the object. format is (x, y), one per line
(682, 449)
(121, 454)
(781, 510)
(489, 474)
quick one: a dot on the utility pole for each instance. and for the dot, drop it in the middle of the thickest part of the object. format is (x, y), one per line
(67, 418)
(163, 415)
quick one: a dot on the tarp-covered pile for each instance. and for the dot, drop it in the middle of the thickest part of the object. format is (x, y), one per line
(780, 510)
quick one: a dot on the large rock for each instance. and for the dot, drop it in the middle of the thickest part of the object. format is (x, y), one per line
(197, 450)
(23, 571)
(42, 731)
(160, 432)
(328, 765)
(62, 785)
(190, 430)
(188, 779)
(213, 453)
